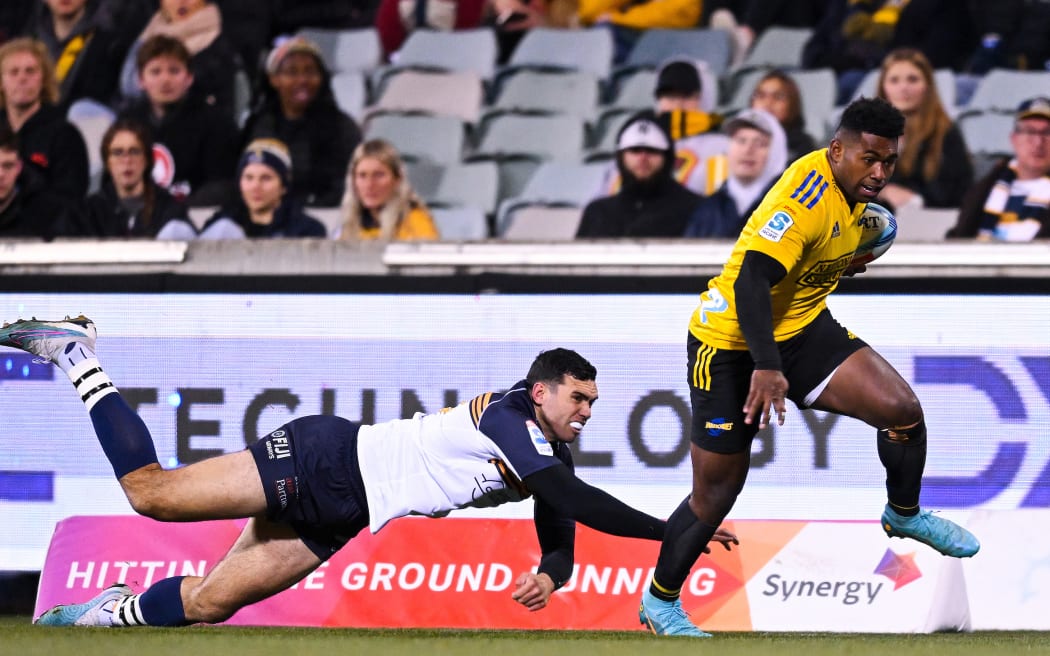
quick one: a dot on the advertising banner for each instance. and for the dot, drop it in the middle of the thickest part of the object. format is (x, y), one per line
(460, 573)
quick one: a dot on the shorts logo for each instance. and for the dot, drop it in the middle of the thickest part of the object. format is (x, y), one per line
(539, 440)
(278, 446)
(717, 426)
(286, 487)
(777, 225)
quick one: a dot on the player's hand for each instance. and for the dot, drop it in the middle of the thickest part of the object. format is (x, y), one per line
(768, 391)
(853, 269)
(533, 591)
(727, 538)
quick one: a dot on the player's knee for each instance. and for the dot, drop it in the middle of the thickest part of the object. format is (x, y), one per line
(145, 492)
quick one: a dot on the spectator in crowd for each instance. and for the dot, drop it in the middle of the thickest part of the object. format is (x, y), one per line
(934, 169)
(130, 203)
(214, 60)
(778, 94)
(1012, 202)
(264, 208)
(195, 143)
(396, 19)
(628, 19)
(757, 157)
(511, 19)
(379, 201)
(700, 147)
(86, 49)
(746, 19)
(650, 203)
(26, 207)
(1013, 34)
(50, 146)
(299, 108)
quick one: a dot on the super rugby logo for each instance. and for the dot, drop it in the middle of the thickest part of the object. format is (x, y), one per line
(539, 440)
(776, 226)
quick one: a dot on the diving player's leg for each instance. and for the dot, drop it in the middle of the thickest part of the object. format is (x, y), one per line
(224, 487)
(267, 558)
(867, 387)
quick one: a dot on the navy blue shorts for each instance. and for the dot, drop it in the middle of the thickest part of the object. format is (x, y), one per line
(312, 480)
(720, 380)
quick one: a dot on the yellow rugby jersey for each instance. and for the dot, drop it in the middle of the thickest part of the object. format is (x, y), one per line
(805, 223)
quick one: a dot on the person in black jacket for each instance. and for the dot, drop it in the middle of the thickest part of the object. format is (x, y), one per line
(130, 204)
(299, 108)
(26, 209)
(87, 50)
(49, 144)
(196, 143)
(650, 203)
(264, 208)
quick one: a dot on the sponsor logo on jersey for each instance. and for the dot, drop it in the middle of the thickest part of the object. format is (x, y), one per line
(278, 446)
(717, 426)
(825, 273)
(539, 440)
(835, 230)
(776, 226)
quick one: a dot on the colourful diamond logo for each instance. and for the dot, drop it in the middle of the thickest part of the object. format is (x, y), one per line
(902, 570)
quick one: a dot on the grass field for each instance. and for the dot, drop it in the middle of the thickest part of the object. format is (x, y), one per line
(19, 638)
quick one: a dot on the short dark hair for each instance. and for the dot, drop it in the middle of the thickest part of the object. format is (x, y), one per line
(8, 138)
(162, 45)
(550, 366)
(874, 116)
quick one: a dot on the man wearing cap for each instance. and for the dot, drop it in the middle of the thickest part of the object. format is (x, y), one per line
(650, 202)
(757, 156)
(1011, 202)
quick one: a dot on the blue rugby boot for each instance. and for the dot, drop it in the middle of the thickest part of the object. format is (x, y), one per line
(943, 535)
(97, 612)
(667, 617)
(49, 339)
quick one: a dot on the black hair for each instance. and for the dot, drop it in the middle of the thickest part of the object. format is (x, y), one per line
(8, 138)
(550, 366)
(874, 116)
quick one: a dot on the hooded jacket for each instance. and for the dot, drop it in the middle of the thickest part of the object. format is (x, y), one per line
(656, 207)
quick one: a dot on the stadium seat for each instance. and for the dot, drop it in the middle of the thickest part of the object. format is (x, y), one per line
(462, 50)
(925, 224)
(588, 50)
(349, 49)
(438, 139)
(472, 184)
(554, 136)
(538, 222)
(330, 217)
(568, 92)
(987, 133)
(740, 88)
(351, 93)
(561, 182)
(656, 46)
(818, 88)
(634, 90)
(460, 223)
(1003, 90)
(605, 131)
(92, 119)
(424, 176)
(777, 47)
(446, 94)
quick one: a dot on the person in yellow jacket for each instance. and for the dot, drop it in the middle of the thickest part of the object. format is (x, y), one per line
(628, 18)
(379, 202)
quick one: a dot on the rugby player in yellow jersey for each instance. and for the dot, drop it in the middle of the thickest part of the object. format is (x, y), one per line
(762, 333)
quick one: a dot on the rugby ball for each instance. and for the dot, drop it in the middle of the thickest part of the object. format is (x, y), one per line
(878, 230)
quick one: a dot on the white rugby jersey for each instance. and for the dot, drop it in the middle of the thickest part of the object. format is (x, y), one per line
(472, 455)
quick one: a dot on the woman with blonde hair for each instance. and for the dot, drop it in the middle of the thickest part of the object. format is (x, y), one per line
(934, 168)
(379, 202)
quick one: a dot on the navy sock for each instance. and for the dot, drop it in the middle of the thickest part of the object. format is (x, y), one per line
(123, 435)
(684, 540)
(161, 605)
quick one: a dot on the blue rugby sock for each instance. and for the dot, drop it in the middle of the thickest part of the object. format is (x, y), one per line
(161, 605)
(123, 435)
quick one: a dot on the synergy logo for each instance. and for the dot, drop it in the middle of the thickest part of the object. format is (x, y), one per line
(902, 570)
